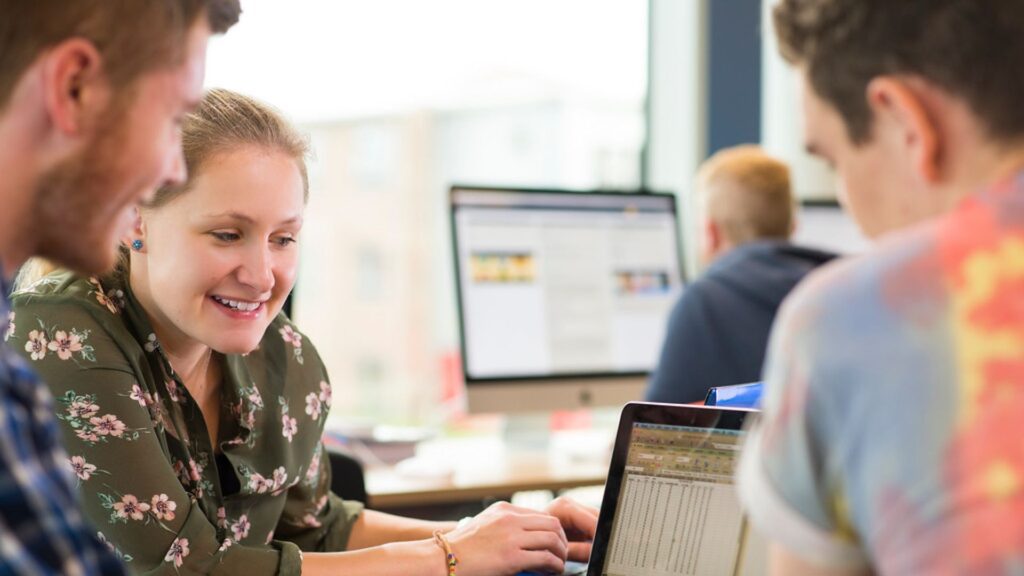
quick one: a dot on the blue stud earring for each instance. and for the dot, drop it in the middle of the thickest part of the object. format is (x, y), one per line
(136, 245)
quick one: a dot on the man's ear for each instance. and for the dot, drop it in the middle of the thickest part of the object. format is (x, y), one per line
(713, 232)
(713, 240)
(897, 106)
(76, 89)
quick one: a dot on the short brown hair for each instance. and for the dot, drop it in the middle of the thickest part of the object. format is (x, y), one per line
(226, 121)
(972, 49)
(133, 36)
(747, 193)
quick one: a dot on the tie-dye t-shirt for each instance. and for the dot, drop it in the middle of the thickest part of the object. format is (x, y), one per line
(893, 429)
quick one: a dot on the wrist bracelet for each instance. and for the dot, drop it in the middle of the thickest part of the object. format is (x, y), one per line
(449, 556)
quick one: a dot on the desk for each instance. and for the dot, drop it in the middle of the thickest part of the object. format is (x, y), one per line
(487, 468)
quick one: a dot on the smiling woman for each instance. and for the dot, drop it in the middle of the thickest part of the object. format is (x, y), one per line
(216, 265)
(193, 409)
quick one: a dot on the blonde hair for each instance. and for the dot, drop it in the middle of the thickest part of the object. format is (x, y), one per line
(747, 193)
(224, 121)
(31, 271)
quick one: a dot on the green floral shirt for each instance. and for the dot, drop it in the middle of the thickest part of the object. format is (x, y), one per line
(141, 453)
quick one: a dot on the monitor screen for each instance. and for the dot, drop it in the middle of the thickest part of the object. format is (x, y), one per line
(563, 284)
(824, 224)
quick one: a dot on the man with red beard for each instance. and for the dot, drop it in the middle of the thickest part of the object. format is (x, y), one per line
(91, 96)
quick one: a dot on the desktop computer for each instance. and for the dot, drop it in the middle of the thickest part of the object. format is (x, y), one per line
(563, 296)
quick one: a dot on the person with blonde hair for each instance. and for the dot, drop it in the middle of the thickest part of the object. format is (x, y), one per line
(194, 409)
(718, 331)
(90, 95)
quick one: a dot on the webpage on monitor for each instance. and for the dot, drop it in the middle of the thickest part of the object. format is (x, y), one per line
(564, 283)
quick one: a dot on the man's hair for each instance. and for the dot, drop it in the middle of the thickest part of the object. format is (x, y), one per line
(132, 36)
(747, 193)
(971, 49)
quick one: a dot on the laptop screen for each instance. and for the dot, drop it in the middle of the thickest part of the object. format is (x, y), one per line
(678, 509)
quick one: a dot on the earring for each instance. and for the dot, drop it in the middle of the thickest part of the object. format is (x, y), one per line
(136, 245)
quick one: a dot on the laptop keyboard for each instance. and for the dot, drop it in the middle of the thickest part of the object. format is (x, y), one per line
(571, 569)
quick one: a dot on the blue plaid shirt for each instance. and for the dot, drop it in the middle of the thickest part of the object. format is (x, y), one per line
(41, 527)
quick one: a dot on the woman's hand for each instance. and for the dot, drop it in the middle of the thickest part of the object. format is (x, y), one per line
(501, 541)
(506, 539)
(579, 523)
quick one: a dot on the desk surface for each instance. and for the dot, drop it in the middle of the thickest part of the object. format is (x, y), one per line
(481, 468)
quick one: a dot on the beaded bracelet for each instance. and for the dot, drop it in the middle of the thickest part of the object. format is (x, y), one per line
(450, 558)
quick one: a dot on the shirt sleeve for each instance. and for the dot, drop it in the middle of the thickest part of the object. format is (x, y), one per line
(788, 477)
(128, 487)
(314, 518)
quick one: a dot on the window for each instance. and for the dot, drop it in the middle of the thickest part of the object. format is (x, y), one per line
(370, 274)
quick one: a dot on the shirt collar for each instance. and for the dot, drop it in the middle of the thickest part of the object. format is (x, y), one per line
(234, 372)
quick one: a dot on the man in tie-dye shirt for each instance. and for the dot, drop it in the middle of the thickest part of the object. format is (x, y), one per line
(892, 439)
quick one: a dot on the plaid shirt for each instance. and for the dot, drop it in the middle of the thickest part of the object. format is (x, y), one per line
(41, 528)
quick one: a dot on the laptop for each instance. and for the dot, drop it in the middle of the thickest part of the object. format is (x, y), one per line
(670, 506)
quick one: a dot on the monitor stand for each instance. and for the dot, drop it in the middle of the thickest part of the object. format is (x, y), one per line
(527, 432)
(579, 436)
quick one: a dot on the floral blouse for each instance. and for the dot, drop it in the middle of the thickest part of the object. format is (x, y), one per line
(161, 496)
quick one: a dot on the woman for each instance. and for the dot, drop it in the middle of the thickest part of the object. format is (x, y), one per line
(193, 410)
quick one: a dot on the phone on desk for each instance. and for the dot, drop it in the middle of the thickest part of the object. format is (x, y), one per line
(571, 569)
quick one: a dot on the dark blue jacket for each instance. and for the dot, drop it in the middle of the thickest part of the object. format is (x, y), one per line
(718, 331)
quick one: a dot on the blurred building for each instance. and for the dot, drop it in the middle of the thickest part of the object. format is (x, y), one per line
(376, 290)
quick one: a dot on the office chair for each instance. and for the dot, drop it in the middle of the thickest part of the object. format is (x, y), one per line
(347, 479)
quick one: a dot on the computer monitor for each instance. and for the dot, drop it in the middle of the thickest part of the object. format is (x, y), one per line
(824, 224)
(563, 297)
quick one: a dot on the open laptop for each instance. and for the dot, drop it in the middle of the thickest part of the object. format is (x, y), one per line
(670, 505)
